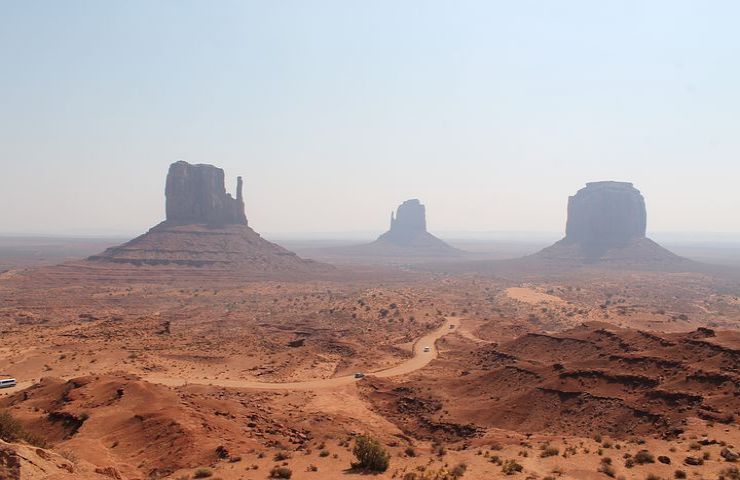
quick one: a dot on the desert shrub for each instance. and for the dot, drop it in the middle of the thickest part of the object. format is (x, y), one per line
(439, 449)
(281, 456)
(312, 468)
(643, 456)
(606, 467)
(410, 452)
(459, 470)
(324, 453)
(11, 430)
(281, 472)
(510, 467)
(203, 473)
(370, 454)
(731, 473)
(679, 474)
(549, 452)
(652, 476)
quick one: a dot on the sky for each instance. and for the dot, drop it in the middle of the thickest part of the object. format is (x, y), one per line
(490, 112)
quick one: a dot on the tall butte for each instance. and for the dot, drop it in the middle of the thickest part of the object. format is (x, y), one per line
(205, 227)
(607, 222)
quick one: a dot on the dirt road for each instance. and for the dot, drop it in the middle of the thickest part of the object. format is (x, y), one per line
(419, 360)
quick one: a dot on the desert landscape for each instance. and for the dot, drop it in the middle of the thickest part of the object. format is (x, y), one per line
(200, 350)
(384, 240)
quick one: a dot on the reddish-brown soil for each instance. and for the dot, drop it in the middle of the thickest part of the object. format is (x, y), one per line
(594, 365)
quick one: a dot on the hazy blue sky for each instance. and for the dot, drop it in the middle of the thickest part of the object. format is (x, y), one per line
(490, 112)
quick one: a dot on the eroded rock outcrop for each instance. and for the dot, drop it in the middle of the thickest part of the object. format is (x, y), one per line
(196, 194)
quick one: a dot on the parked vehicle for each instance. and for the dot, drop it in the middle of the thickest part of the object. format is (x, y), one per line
(8, 382)
(359, 375)
(427, 349)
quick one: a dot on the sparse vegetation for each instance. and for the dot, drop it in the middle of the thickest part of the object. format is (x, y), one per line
(730, 473)
(643, 456)
(459, 470)
(11, 430)
(203, 473)
(549, 451)
(370, 454)
(281, 472)
(606, 467)
(281, 456)
(510, 467)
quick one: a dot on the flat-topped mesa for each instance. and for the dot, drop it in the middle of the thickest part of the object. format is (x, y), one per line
(196, 194)
(606, 213)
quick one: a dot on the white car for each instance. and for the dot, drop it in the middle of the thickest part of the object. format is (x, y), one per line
(427, 349)
(359, 375)
(8, 382)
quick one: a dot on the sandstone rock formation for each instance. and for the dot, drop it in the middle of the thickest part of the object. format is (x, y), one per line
(409, 229)
(205, 227)
(407, 241)
(609, 213)
(196, 195)
(408, 225)
(607, 223)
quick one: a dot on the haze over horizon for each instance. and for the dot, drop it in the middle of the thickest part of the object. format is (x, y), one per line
(490, 113)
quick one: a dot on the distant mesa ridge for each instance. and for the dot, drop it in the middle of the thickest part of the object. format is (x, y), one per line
(205, 227)
(607, 221)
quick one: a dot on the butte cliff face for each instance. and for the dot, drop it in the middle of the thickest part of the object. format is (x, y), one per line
(607, 223)
(610, 213)
(205, 227)
(196, 195)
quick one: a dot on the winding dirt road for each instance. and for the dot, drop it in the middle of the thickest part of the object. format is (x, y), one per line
(419, 360)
